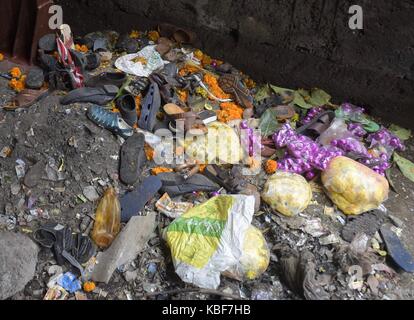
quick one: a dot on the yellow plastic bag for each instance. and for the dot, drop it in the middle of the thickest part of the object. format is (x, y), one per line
(353, 187)
(255, 257)
(221, 145)
(287, 193)
(208, 239)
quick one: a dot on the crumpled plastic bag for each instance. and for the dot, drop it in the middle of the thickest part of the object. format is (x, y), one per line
(287, 193)
(208, 239)
(353, 187)
(151, 56)
(255, 257)
(221, 145)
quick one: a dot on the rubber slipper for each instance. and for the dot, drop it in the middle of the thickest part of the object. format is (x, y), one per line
(100, 96)
(368, 223)
(111, 121)
(232, 84)
(46, 235)
(139, 85)
(396, 249)
(107, 78)
(127, 106)
(132, 159)
(318, 125)
(125, 43)
(26, 98)
(84, 248)
(134, 202)
(149, 108)
(175, 185)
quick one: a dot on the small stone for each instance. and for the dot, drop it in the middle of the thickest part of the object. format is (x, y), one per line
(18, 256)
(15, 188)
(90, 193)
(35, 78)
(130, 275)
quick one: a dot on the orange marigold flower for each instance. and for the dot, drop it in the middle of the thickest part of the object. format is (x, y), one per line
(182, 95)
(15, 73)
(82, 48)
(153, 35)
(1, 57)
(89, 286)
(134, 34)
(199, 54)
(214, 87)
(158, 170)
(229, 111)
(138, 105)
(17, 84)
(149, 152)
(270, 166)
(187, 69)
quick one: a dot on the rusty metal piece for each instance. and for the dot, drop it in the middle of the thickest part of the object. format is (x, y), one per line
(22, 24)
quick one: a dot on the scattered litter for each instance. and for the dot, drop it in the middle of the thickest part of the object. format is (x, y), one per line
(20, 168)
(69, 282)
(172, 209)
(90, 193)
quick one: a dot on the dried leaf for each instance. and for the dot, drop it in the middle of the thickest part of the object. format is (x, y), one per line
(406, 166)
(262, 93)
(319, 98)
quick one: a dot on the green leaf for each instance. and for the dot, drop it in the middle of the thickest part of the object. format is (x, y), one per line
(319, 98)
(268, 122)
(280, 90)
(300, 101)
(406, 166)
(262, 93)
(403, 134)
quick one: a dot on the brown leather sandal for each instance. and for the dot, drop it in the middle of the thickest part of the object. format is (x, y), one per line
(26, 98)
(192, 121)
(232, 84)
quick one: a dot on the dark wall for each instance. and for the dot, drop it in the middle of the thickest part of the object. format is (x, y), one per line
(292, 43)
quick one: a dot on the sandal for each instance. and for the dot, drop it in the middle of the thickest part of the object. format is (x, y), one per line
(26, 98)
(318, 125)
(132, 159)
(232, 84)
(133, 203)
(150, 107)
(396, 250)
(110, 121)
(176, 185)
(368, 223)
(189, 121)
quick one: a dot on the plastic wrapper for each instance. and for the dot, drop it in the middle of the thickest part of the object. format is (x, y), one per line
(171, 208)
(208, 239)
(221, 145)
(338, 130)
(287, 193)
(353, 187)
(255, 257)
(152, 58)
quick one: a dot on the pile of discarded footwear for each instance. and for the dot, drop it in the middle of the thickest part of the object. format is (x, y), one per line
(208, 131)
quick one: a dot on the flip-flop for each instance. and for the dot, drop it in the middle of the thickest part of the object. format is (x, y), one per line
(100, 95)
(175, 185)
(149, 108)
(368, 223)
(133, 203)
(26, 98)
(93, 61)
(107, 78)
(318, 125)
(132, 159)
(111, 121)
(396, 249)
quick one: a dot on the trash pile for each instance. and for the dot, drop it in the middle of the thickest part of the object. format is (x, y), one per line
(219, 170)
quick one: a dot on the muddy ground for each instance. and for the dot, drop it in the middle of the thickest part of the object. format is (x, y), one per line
(88, 156)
